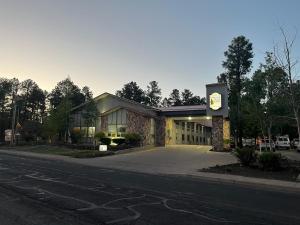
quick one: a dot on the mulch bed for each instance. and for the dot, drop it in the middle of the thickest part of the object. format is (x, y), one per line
(288, 173)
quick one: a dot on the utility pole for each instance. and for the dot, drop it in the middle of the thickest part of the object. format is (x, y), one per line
(13, 124)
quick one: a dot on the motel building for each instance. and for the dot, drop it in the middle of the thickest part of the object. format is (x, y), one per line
(176, 125)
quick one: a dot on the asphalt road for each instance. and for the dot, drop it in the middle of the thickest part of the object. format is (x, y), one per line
(37, 191)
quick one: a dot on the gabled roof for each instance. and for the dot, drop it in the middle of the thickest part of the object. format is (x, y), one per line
(184, 110)
(106, 94)
(124, 99)
(167, 111)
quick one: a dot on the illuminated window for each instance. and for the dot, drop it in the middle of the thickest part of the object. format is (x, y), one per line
(117, 123)
(87, 131)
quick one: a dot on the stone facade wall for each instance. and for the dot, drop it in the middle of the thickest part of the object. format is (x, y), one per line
(137, 123)
(160, 130)
(217, 133)
(226, 133)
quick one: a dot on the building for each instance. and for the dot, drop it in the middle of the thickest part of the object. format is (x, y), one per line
(195, 125)
(157, 126)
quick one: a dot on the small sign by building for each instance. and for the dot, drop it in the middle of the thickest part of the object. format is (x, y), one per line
(8, 135)
(102, 148)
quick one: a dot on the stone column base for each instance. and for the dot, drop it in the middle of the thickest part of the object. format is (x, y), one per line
(217, 133)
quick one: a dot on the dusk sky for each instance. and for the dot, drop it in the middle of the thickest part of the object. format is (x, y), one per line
(104, 44)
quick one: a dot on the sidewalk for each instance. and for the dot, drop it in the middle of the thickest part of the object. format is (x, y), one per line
(214, 177)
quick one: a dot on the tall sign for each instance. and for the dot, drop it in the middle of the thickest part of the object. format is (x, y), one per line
(217, 100)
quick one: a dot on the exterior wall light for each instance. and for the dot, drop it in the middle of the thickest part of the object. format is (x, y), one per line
(190, 118)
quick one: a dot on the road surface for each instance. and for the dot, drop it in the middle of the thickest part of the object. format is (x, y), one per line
(39, 191)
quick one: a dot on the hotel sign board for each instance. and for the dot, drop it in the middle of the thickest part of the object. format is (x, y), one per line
(217, 100)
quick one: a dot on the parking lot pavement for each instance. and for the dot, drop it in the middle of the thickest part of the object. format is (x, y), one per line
(169, 160)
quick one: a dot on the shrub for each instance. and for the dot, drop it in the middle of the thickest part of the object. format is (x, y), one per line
(226, 141)
(105, 140)
(133, 139)
(246, 156)
(87, 154)
(119, 141)
(100, 135)
(270, 161)
(76, 136)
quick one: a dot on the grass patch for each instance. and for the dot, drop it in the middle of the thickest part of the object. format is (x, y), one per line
(61, 150)
(87, 153)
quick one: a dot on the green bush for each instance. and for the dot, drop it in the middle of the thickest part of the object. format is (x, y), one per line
(246, 156)
(119, 141)
(270, 161)
(87, 154)
(76, 136)
(226, 141)
(105, 140)
(133, 139)
(100, 135)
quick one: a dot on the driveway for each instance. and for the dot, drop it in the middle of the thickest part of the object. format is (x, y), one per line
(165, 160)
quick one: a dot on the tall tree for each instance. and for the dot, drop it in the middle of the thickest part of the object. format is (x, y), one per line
(237, 64)
(174, 98)
(153, 94)
(132, 92)
(252, 107)
(87, 93)
(197, 100)
(62, 98)
(285, 60)
(32, 101)
(166, 102)
(66, 89)
(5, 90)
(186, 96)
(5, 95)
(57, 123)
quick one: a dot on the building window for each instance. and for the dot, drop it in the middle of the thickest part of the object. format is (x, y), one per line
(117, 123)
(182, 137)
(85, 131)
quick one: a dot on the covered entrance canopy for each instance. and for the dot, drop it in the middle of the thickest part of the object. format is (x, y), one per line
(187, 125)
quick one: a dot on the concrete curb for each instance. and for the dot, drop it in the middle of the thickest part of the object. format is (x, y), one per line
(286, 186)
